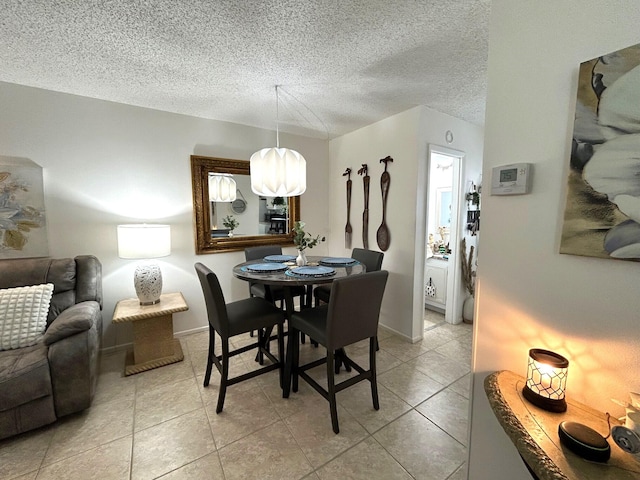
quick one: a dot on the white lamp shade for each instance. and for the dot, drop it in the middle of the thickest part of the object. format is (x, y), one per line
(222, 188)
(144, 241)
(278, 172)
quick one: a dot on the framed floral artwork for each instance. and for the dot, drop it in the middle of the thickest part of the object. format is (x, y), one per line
(602, 213)
(23, 231)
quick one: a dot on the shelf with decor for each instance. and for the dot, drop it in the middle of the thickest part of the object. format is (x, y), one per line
(534, 432)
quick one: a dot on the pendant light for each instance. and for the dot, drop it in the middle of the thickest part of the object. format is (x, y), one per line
(222, 187)
(278, 172)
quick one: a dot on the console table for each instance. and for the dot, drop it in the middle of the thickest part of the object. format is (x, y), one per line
(534, 432)
(153, 342)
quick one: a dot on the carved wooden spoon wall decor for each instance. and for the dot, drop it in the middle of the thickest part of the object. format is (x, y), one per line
(383, 235)
(347, 229)
(365, 213)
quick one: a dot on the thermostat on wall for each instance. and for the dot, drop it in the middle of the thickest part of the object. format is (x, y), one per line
(514, 179)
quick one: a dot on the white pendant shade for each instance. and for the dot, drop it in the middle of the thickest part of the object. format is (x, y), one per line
(278, 172)
(222, 188)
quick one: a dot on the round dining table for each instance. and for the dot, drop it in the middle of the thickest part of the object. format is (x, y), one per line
(288, 279)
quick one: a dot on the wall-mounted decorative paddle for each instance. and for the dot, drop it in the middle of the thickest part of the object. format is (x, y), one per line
(347, 229)
(383, 236)
(365, 213)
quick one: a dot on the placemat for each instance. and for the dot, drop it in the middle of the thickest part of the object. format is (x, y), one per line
(311, 272)
(279, 258)
(264, 267)
(339, 261)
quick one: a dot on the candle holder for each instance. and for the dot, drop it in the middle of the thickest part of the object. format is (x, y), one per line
(546, 380)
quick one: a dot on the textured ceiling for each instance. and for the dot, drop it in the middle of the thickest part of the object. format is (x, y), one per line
(342, 64)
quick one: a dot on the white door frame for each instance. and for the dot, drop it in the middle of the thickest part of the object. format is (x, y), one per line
(453, 309)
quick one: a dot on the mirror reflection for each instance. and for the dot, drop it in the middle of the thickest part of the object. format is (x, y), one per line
(229, 216)
(254, 215)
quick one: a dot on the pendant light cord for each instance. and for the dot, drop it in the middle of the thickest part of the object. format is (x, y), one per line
(277, 119)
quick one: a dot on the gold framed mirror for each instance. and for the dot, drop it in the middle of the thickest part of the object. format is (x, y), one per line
(261, 220)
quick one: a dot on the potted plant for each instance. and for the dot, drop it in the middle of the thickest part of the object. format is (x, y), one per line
(279, 204)
(303, 240)
(231, 223)
(468, 280)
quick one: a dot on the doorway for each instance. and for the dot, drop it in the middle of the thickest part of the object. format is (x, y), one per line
(439, 249)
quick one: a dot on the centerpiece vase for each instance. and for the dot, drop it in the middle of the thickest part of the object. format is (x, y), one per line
(301, 259)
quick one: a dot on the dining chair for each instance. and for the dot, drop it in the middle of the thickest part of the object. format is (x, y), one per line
(371, 259)
(351, 315)
(273, 293)
(235, 318)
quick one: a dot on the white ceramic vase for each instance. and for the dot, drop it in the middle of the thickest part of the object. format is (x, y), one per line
(301, 259)
(467, 309)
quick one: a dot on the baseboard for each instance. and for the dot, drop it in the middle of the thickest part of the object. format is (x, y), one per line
(129, 346)
(184, 333)
(402, 335)
(117, 348)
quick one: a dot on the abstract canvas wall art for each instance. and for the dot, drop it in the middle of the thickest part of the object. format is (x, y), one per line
(23, 230)
(602, 213)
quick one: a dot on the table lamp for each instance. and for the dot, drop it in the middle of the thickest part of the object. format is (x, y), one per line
(145, 241)
(546, 380)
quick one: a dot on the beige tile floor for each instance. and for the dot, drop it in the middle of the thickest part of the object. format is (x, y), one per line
(162, 423)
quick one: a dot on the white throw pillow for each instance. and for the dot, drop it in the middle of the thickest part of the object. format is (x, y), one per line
(23, 315)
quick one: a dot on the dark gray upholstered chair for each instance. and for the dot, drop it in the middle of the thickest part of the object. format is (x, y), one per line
(272, 293)
(350, 316)
(371, 259)
(235, 318)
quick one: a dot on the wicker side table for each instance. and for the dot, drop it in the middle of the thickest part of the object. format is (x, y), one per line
(153, 342)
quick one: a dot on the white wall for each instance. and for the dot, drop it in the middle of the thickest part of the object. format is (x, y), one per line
(405, 137)
(529, 295)
(106, 163)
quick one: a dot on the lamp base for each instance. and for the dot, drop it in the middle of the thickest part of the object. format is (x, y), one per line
(147, 280)
(548, 404)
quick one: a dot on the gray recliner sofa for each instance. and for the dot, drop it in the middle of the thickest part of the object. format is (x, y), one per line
(58, 375)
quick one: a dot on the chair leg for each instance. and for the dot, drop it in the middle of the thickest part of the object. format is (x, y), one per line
(212, 351)
(224, 375)
(340, 354)
(296, 358)
(286, 388)
(347, 367)
(331, 390)
(373, 341)
(260, 355)
(281, 352)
